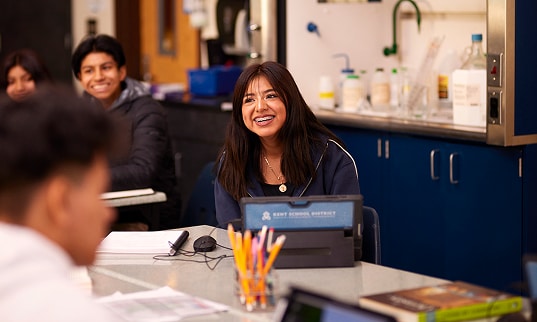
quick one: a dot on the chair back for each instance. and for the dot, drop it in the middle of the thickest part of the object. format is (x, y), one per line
(371, 236)
(201, 208)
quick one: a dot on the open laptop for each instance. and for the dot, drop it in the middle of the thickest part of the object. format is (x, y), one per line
(302, 305)
(321, 231)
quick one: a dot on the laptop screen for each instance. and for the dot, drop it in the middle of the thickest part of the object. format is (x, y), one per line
(302, 305)
(530, 268)
(321, 231)
(302, 213)
(530, 263)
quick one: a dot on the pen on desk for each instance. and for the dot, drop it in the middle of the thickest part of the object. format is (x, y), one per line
(183, 236)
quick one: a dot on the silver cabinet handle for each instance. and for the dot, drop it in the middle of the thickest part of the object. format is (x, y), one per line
(433, 172)
(451, 161)
(387, 149)
(520, 167)
(379, 148)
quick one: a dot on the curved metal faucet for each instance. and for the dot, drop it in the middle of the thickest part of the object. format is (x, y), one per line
(393, 50)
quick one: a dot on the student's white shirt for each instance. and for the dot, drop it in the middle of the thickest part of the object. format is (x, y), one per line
(35, 283)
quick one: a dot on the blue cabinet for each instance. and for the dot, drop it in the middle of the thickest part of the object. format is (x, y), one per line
(448, 209)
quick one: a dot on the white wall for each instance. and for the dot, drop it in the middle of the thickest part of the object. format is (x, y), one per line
(362, 30)
(103, 11)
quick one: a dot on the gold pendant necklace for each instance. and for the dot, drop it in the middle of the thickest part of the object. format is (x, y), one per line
(282, 187)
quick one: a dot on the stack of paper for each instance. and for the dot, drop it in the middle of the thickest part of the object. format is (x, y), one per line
(139, 242)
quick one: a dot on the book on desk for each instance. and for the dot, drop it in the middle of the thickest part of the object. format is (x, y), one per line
(127, 193)
(452, 301)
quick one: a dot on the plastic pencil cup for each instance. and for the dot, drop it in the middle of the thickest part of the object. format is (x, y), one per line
(254, 289)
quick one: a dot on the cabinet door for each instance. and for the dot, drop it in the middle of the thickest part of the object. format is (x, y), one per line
(453, 211)
(413, 233)
(483, 215)
(367, 149)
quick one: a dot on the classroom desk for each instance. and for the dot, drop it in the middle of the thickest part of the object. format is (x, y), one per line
(131, 273)
(148, 204)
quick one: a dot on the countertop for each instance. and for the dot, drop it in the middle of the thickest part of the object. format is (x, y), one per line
(433, 127)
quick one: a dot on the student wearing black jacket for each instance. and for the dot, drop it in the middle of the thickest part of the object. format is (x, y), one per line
(99, 64)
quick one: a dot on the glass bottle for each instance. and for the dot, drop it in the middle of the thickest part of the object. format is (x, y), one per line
(477, 59)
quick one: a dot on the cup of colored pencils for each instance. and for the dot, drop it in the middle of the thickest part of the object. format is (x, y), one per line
(254, 257)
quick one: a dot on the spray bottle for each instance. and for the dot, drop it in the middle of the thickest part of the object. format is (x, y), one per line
(342, 77)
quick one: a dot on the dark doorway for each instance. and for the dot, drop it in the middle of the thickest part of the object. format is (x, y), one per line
(43, 26)
(128, 34)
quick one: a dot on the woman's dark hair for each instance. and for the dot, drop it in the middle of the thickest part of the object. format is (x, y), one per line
(299, 134)
(30, 61)
(97, 44)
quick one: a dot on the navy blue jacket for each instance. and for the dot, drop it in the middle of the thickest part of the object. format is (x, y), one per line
(336, 174)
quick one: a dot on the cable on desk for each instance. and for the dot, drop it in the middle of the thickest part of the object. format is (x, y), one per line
(206, 259)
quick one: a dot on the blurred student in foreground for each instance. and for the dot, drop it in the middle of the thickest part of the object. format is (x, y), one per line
(275, 146)
(22, 71)
(53, 169)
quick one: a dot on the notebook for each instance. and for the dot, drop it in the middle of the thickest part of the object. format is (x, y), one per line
(321, 231)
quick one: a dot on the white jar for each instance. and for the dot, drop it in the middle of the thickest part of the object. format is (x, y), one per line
(353, 93)
(470, 97)
(326, 93)
(380, 90)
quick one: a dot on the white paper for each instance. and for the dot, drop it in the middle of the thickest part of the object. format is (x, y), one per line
(164, 304)
(139, 242)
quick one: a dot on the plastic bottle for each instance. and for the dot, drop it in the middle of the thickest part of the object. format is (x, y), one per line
(449, 63)
(353, 93)
(347, 70)
(380, 90)
(470, 88)
(326, 93)
(477, 59)
(395, 88)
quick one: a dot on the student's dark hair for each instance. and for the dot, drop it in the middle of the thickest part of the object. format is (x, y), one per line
(30, 61)
(97, 44)
(300, 133)
(52, 131)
